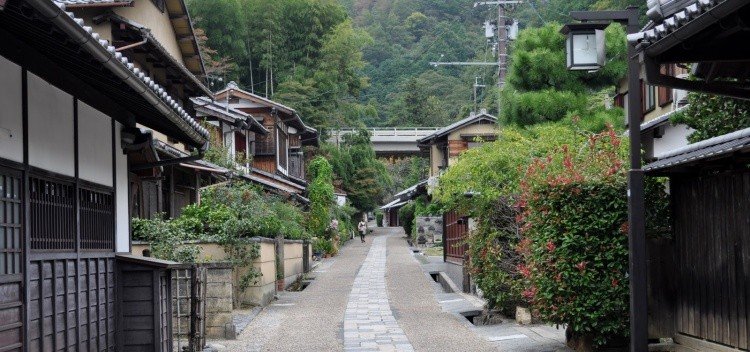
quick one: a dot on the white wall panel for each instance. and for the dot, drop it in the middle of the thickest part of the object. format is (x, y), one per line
(122, 209)
(50, 127)
(94, 145)
(11, 119)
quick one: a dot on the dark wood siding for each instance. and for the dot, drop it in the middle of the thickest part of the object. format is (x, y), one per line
(11, 269)
(455, 232)
(145, 300)
(69, 314)
(712, 225)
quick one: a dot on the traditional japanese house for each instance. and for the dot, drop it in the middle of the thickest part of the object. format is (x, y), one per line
(157, 37)
(71, 107)
(445, 145)
(699, 285)
(277, 157)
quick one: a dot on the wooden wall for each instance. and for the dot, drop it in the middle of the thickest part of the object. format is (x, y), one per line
(455, 231)
(712, 257)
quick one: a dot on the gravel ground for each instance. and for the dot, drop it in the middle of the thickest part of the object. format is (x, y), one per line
(413, 301)
(310, 320)
(313, 319)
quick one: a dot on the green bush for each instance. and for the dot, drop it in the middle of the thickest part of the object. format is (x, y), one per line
(379, 218)
(575, 237)
(321, 196)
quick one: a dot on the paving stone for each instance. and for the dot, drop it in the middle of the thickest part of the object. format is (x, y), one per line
(368, 318)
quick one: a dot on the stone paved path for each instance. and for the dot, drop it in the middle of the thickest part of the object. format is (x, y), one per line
(369, 324)
(376, 296)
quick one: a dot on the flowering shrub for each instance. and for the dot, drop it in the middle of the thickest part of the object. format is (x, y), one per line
(574, 238)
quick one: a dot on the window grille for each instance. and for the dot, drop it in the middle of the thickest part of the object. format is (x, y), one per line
(10, 224)
(52, 214)
(97, 220)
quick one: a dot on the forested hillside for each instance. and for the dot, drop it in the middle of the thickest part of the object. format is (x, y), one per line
(347, 63)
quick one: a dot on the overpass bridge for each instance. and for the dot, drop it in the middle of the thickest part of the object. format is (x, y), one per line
(389, 141)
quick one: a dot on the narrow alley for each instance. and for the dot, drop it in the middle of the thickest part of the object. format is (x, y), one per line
(376, 296)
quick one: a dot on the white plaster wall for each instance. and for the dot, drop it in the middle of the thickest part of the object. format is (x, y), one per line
(145, 13)
(94, 145)
(675, 136)
(50, 127)
(122, 209)
(11, 120)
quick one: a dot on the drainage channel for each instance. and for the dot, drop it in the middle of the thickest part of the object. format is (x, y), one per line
(476, 317)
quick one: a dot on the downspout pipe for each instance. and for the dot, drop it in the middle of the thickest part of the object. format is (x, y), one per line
(107, 55)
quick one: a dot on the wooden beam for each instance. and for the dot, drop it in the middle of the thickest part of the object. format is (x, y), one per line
(178, 17)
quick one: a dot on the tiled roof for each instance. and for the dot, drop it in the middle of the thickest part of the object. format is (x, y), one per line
(655, 32)
(458, 124)
(95, 2)
(136, 73)
(710, 148)
(661, 119)
(219, 109)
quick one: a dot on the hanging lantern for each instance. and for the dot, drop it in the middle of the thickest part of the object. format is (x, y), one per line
(585, 45)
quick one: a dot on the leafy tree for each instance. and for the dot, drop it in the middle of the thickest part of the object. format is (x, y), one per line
(357, 171)
(321, 195)
(712, 116)
(541, 89)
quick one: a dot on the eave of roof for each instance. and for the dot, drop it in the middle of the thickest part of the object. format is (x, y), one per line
(661, 120)
(96, 3)
(148, 36)
(223, 111)
(183, 26)
(708, 149)
(86, 38)
(657, 38)
(457, 125)
(233, 89)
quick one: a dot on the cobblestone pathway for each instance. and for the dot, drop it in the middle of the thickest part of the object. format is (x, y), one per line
(369, 324)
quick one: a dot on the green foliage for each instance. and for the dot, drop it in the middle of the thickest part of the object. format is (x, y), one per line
(357, 171)
(541, 89)
(406, 172)
(575, 238)
(712, 116)
(164, 237)
(493, 171)
(379, 218)
(321, 195)
(407, 215)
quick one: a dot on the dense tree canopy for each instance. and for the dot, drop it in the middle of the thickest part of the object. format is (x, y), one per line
(541, 89)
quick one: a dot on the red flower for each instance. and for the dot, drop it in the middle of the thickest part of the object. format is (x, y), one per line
(581, 266)
(615, 282)
(524, 270)
(550, 246)
(529, 293)
(558, 277)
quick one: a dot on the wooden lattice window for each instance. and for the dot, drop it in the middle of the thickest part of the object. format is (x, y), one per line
(97, 220)
(10, 223)
(52, 214)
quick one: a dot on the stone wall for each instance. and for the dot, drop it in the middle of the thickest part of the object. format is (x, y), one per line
(431, 227)
(263, 289)
(219, 301)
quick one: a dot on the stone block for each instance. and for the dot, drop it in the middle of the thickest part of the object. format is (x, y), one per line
(218, 319)
(523, 316)
(218, 304)
(219, 290)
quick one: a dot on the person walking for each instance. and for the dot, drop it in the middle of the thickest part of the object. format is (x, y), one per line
(362, 227)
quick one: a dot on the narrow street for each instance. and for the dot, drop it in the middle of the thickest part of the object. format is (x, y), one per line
(375, 296)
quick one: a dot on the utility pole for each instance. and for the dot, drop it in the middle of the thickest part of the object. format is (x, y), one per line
(476, 95)
(502, 37)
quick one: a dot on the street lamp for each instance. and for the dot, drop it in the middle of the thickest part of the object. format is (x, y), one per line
(636, 203)
(585, 45)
